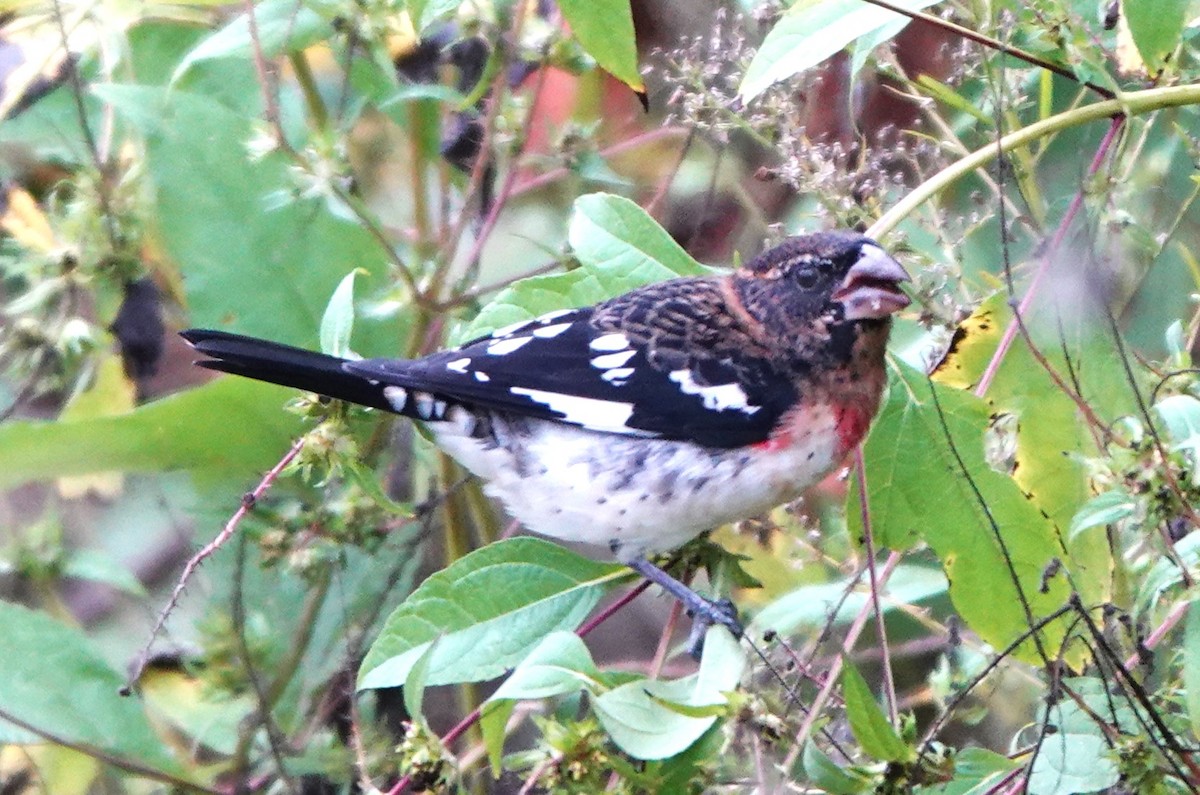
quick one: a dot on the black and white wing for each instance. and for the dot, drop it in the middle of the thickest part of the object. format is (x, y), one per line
(645, 364)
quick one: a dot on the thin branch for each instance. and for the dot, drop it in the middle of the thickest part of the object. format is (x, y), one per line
(835, 667)
(106, 757)
(995, 44)
(889, 681)
(248, 502)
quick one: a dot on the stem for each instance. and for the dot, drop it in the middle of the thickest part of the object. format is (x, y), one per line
(988, 41)
(889, 681)
(1132, 104)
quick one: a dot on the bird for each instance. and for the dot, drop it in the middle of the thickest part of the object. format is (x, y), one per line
(643, 421)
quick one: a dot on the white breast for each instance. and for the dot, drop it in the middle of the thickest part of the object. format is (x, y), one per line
(643, 495)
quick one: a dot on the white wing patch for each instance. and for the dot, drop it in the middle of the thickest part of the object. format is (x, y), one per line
(599, 415)
(610, 342)
(722, 397)
(506, 346)
(617, 376)
(547, 332)
(459, 365)
(397, 396)
(610, 360)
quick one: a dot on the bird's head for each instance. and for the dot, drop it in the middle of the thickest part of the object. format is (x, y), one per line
(825, 279)
(839, 276)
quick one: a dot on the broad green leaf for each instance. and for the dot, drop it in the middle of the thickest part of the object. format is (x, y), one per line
(620, 248)
(814, 605)
(870, 726)
(1075, 757)
(1156, 27)
(1051, 437)
(825, 773)
(604, 29)
(206, 717)
(811, 32)
(282, 25)
(1165, 574)
(337, 324)
(615, 239)
(1103, 509)
(97, 566)
(232, 425)
(638, 721)
(928, 497)
(415, 682)
(490, 609)
(1181, 415)
(264, 272)
(977, 771)
(560, 664)
(1191, 664)
(51, 680)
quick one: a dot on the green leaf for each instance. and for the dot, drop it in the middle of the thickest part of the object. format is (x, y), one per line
(207, 717)
(977, 771)
(929, 498)
(1156, 27)
(283, 26)
(620, 248)
(97, 566)
(1051, 439)
(604, 29)
(642, 726)
(51, 680)
(415, 682)
(1103, 509)
(1191, 664)
(811, 32)
(232, 425)
(1181, 415)
(825, 773)
(337, 324)
(266, 273)
(491, 607)
(560, 664)
(870, 726)
(617, 241)
(1075, 756)
(814, 605)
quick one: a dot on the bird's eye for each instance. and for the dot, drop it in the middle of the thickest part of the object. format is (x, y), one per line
(807, 277)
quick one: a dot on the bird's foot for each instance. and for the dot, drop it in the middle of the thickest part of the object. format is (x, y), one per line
(704, 614)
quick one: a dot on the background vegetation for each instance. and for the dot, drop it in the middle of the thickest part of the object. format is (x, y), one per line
(1002, 607)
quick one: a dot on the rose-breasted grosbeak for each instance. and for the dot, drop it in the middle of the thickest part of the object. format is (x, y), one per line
(643, 421)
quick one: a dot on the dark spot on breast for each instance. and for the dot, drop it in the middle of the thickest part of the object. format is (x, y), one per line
(601, 500)
(700, 482)
(666, 496)
(811, 453)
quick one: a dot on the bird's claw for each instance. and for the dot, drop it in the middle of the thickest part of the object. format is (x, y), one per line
(707, 613)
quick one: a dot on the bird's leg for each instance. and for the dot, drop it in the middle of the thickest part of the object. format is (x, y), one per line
(704, 612)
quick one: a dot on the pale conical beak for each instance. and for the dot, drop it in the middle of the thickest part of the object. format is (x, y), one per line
(871, 288)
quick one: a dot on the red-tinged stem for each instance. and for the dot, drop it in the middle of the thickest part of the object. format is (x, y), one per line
(1060, 234)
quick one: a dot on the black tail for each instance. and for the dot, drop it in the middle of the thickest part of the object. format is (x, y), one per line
(263, 360)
